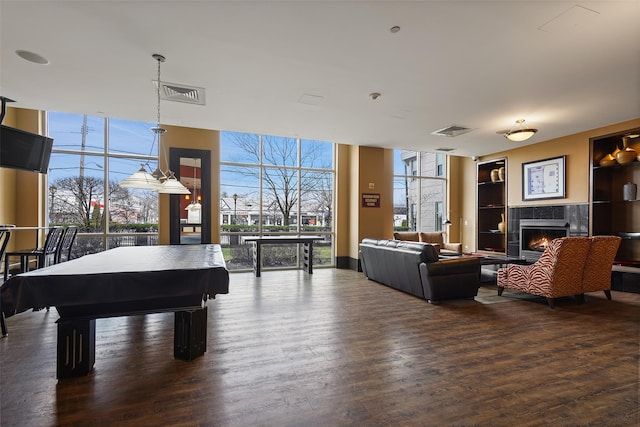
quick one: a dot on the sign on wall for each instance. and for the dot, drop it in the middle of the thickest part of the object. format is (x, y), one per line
(370, 200)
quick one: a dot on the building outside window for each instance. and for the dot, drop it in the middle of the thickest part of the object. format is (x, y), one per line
(273, 185)
(90, 156)
(419, 191)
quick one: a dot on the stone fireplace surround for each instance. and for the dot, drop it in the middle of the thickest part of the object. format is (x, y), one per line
(577, 215)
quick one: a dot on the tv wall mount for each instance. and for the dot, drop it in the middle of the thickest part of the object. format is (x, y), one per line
(3, 101)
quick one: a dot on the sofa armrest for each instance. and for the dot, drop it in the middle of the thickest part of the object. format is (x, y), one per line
(455, 247)
(450, 279)
(454, 266)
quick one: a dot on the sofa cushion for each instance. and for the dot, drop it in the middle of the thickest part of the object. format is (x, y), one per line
(428, 253)
(431, 238)
(411, 236)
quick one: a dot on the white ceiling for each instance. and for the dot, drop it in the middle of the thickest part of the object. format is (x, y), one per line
(565, 67)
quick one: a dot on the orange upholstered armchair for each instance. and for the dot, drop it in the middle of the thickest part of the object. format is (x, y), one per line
(558, 272)
(597, 270)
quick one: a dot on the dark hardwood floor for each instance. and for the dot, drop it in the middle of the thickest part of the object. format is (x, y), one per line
(333, 349)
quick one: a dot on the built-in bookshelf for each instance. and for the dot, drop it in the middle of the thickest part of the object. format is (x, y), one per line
(611, 212)
(491, 206)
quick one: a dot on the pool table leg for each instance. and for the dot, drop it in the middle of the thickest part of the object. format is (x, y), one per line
(190, 334)
(76, 347)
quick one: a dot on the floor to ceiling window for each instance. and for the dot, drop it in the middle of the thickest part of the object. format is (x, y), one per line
(419, 191)
(90, 156)
(275, 185)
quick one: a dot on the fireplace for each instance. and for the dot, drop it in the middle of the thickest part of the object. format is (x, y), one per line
(536, 234)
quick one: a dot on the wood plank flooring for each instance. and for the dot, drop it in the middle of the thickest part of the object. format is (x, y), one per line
(334, 349)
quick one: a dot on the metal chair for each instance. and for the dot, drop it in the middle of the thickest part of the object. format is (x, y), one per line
(43, 256)
(63, 253)
(5, 235)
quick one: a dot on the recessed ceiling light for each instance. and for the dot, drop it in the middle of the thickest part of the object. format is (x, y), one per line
(32, 57)
(374, 96)
(395, 29)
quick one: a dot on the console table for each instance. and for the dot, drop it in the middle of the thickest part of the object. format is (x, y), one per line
(307, 241)
(123, 281)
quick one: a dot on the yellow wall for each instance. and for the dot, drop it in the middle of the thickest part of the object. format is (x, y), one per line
(375, 168)
(466, 188)
(199, 139)
(341, 219)
(454, 200)
(23, 193)
(357, 168)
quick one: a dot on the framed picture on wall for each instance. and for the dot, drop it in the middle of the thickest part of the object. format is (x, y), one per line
(544, 179)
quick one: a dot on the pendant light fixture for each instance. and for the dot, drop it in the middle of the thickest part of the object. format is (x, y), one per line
(170, 185)
(162, 182)
(141, 179)
(520, 132)
(195, 201)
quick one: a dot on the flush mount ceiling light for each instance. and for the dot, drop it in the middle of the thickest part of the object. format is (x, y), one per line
(520, 132)
(374, 96)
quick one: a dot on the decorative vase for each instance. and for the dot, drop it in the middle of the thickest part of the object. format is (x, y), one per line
(502, 225)
(608, 160)
(615, 152)
(629, 191)
(501, 173)
(494, 175)
(627, 154)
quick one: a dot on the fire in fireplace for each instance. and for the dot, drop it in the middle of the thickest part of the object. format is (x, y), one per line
(537, 234)
(539, 244)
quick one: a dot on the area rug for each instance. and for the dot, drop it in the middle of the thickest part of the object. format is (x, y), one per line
(488, 294)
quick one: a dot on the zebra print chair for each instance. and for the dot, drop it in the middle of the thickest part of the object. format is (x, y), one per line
(597, 270)
(557, 273)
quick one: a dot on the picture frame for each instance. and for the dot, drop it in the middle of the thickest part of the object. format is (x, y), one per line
(544, 179)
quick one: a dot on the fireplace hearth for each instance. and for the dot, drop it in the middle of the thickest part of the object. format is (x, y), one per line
(536, 234)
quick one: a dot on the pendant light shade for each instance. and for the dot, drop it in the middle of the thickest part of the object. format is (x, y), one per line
(141, 179)
(520, 132)
(173, 186)
(195, 206)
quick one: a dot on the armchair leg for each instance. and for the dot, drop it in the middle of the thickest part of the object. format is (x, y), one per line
(550, 302)
(608, 294)
(3, 325)
(500, 289)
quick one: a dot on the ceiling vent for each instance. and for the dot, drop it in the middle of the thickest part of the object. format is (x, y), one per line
(181, 93)
(445, 149)
(453, 130)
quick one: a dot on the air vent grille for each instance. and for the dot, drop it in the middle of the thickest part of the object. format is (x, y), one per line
(452, 130)
(182, 93)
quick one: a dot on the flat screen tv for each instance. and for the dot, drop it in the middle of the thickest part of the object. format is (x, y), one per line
(24, 150)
